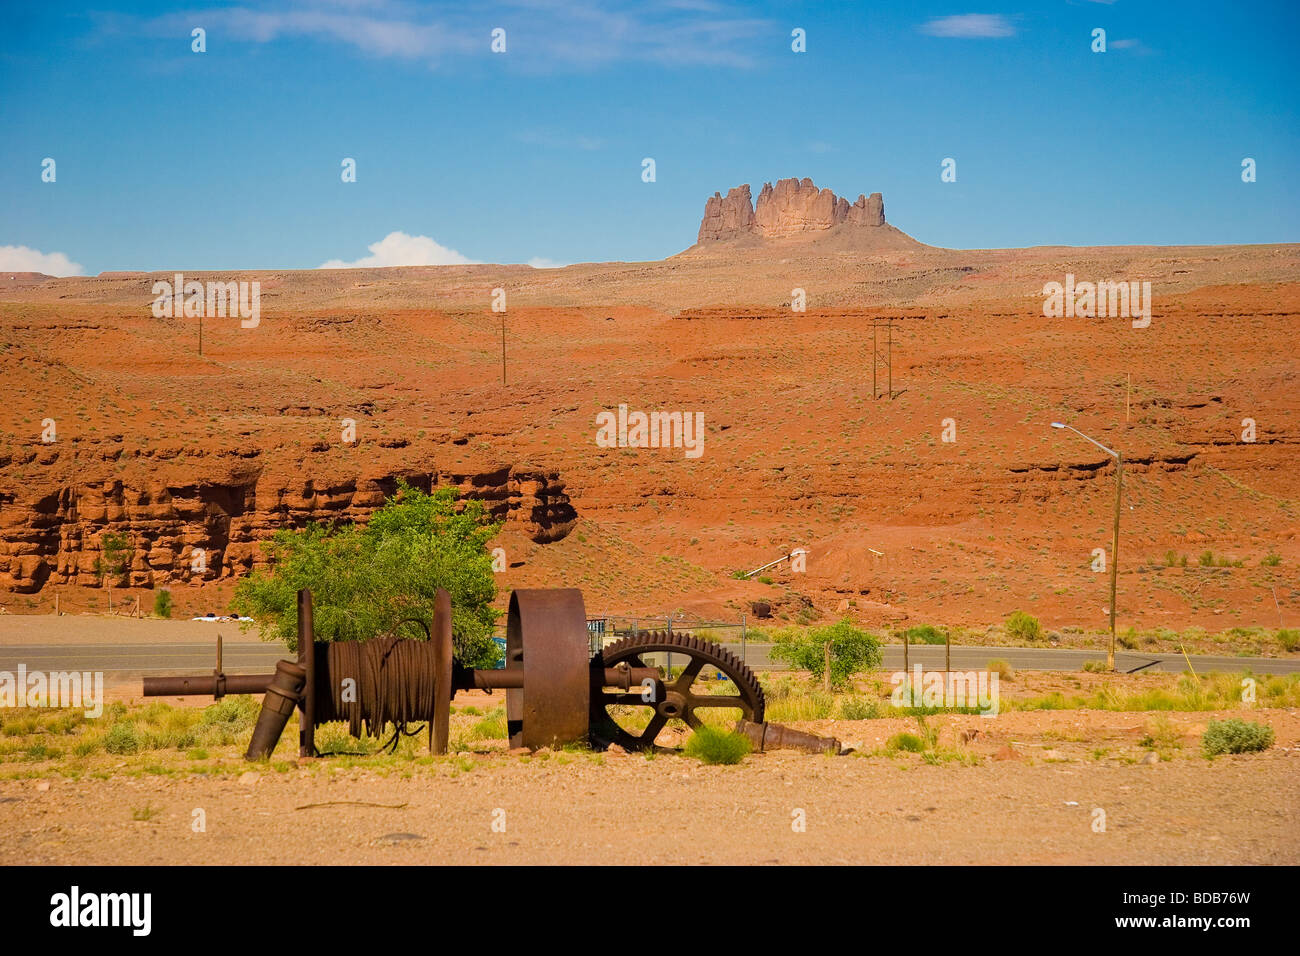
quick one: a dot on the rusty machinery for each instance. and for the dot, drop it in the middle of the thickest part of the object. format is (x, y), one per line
(556, 692)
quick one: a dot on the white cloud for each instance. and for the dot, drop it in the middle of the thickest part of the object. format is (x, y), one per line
(970, 26)
(399, 249)
(541, 262)
(542, 34)
(22, 259)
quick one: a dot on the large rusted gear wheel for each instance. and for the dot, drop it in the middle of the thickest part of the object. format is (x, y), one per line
(677, 699)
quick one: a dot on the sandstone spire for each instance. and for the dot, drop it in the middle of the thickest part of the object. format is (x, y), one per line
(791, 207)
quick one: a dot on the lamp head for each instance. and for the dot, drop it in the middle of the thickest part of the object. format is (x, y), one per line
(1058, 424)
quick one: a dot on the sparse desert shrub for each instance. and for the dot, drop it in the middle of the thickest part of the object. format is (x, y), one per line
(858, 708)
(491, 727)
(1095, 667)
(122, 738)
(162, 604)
(1289, 638)
(1024, 627)
(925, 634)
(1235, 736)
(905, 741)
(714, 746)
(1271, 560)
(1004, 669)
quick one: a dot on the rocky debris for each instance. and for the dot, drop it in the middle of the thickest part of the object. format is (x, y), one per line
(790, 208)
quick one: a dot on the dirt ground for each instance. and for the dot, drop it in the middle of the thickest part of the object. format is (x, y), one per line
(1029, 788)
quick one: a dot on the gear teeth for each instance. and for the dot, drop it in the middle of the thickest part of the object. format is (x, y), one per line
(751, 691)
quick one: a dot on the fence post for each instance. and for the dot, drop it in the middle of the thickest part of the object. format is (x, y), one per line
(742, 638)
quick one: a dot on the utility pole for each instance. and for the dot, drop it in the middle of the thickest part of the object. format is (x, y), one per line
(889, 354)
(1114, 555)
(873, 359)
(891, 358)
(1114, 546)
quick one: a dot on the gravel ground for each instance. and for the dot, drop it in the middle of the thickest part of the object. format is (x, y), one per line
(1038, 807)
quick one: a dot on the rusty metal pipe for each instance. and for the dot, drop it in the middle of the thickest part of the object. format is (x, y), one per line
(767, 736)
(513, 678)
(207, 685)
(282, 697)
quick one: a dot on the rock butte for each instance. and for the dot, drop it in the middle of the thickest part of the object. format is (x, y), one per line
(790, 208)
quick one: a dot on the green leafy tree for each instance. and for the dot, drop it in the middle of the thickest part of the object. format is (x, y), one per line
(368, 581)
(114, 556)
(852, 651)
(115, 550)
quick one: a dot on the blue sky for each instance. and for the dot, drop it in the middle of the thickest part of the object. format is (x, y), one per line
(230, 159)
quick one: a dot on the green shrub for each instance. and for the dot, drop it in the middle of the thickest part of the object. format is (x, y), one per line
(858, 708)
(852, 651)
(122, 738)
(1289, 638)
(714, 746)
(1024, 627)
(925, 634)
(1235, 736)
(162, 604)
(1271, 560)
(905, 741)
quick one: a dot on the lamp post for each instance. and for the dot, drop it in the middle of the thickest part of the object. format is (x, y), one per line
(1114, 546)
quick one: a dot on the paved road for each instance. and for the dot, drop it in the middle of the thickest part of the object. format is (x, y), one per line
(242, 657)
(140, 659)
(1046, 659)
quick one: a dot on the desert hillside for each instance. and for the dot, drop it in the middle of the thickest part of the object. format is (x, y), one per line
(181, 451)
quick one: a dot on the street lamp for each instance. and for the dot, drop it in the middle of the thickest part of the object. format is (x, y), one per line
(1114, 547)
